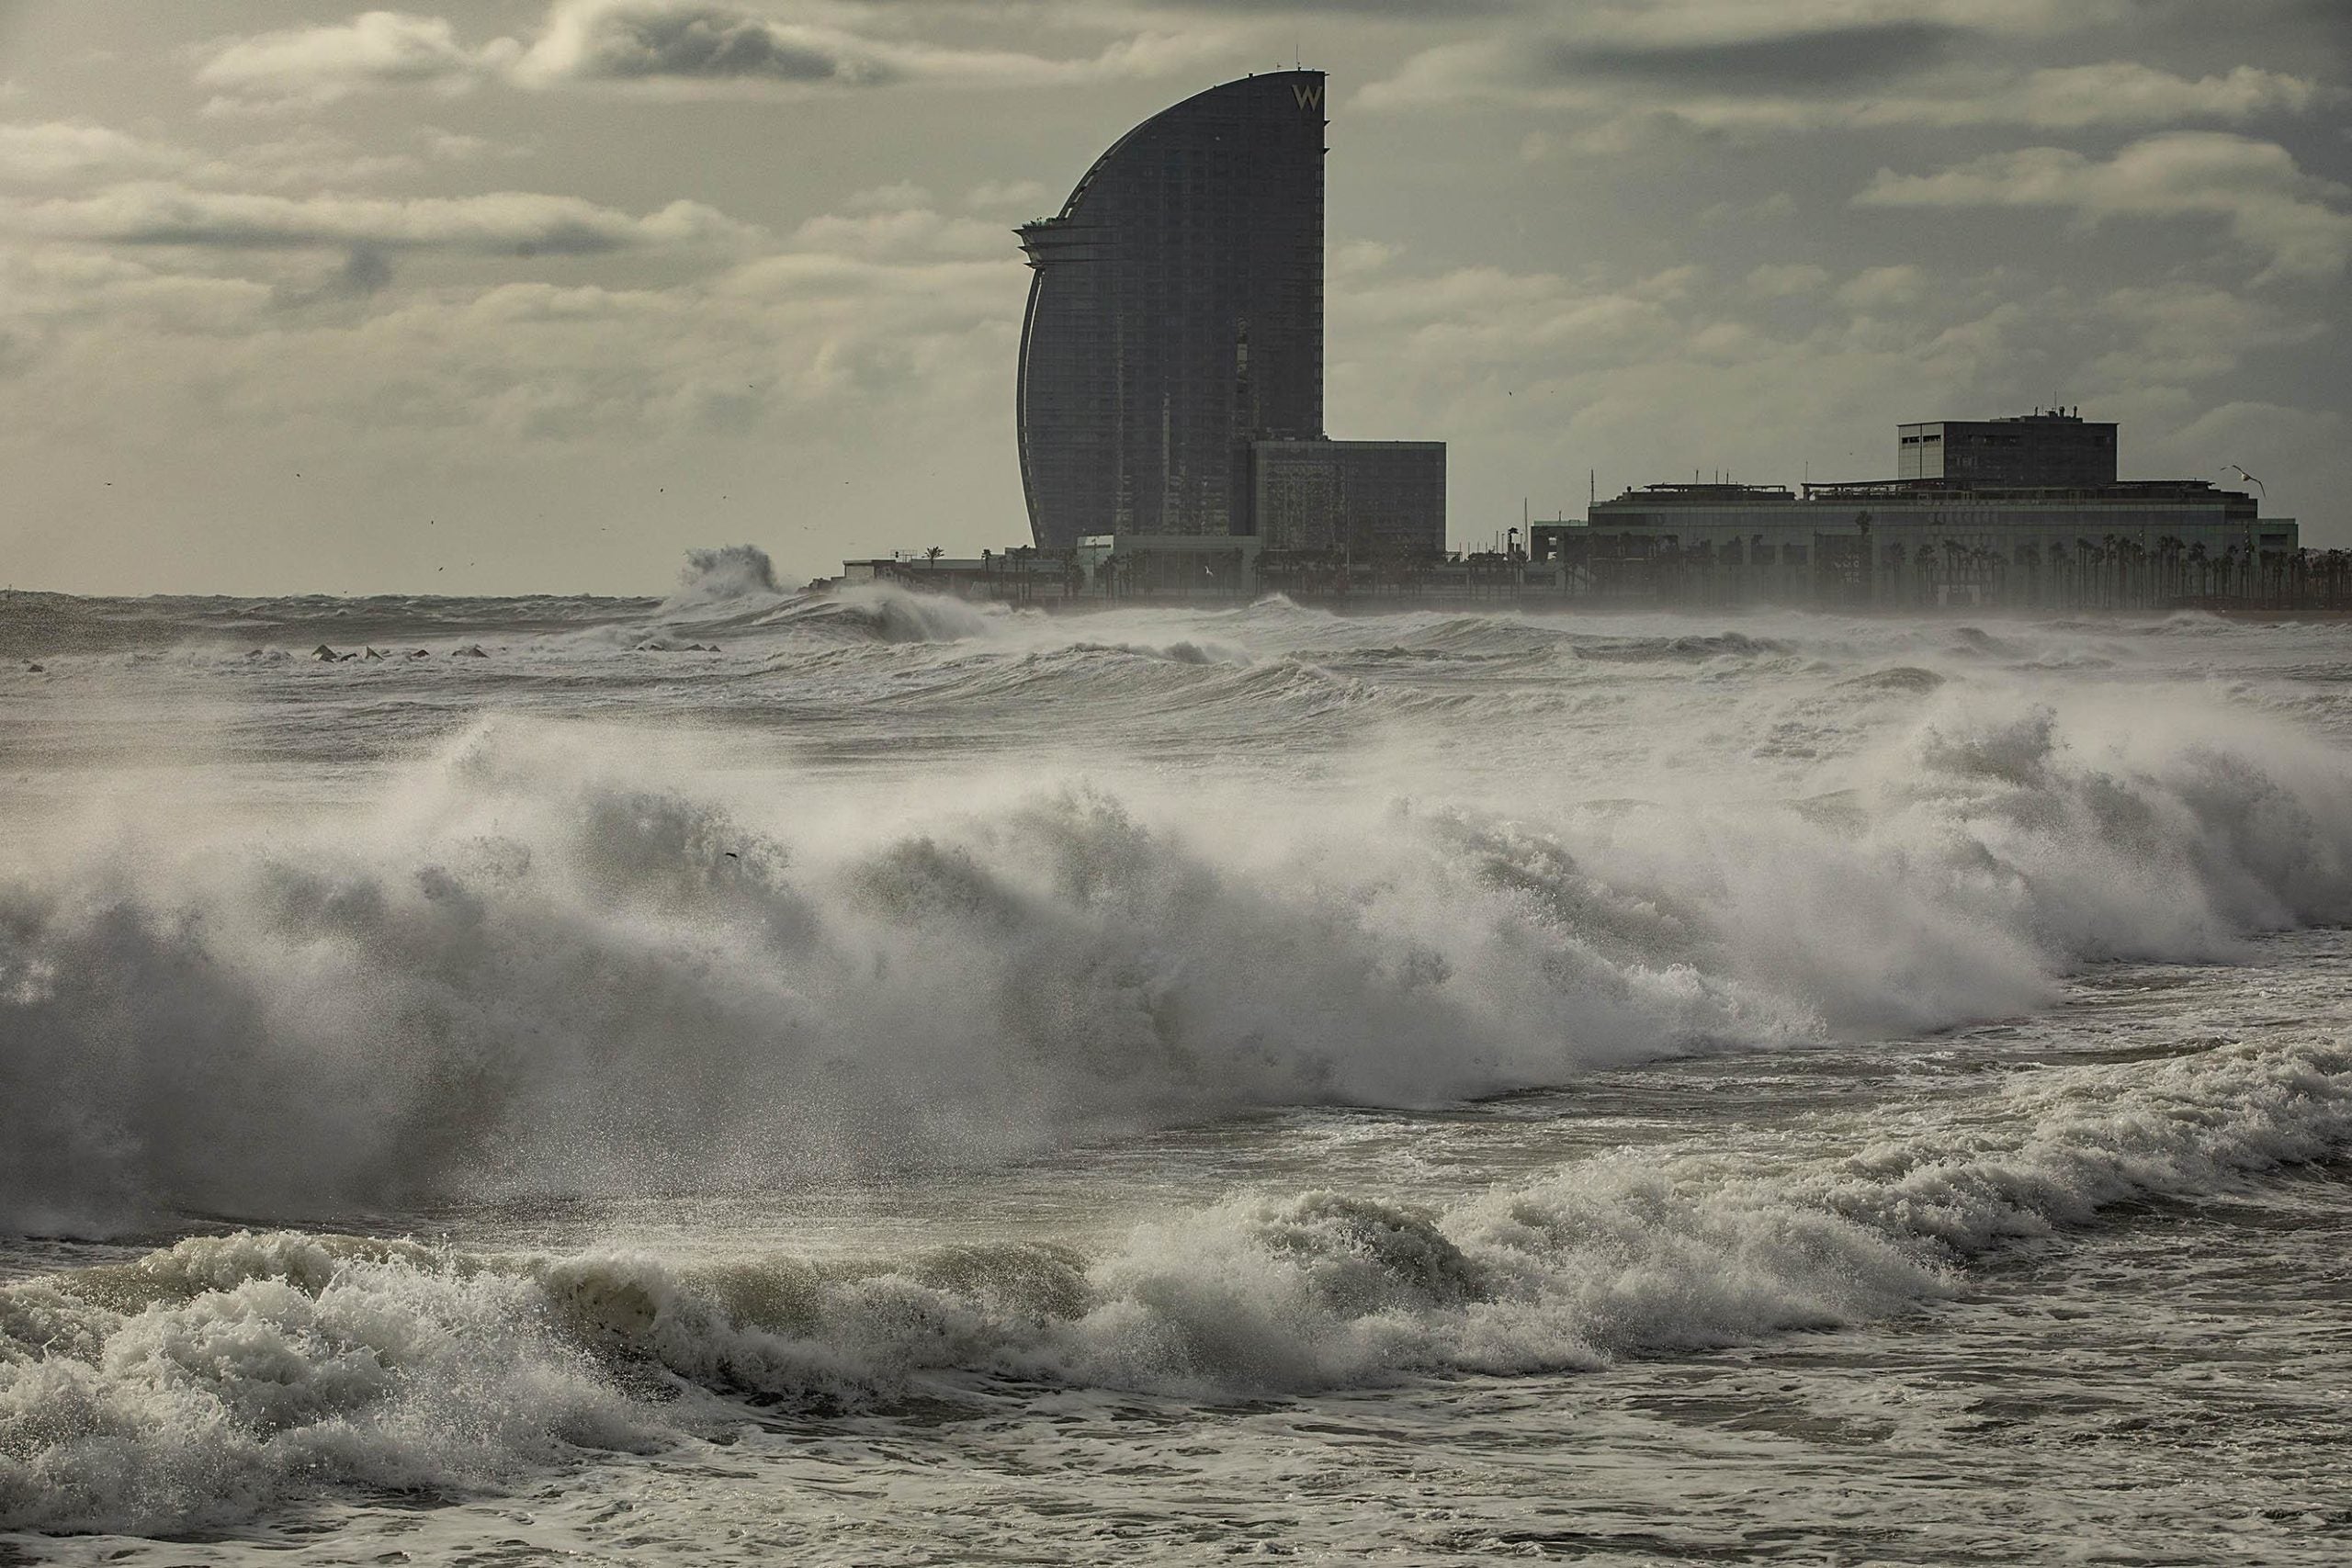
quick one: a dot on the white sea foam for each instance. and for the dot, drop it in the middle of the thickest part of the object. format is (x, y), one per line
(546, 962)
(211, 1380)
(905, 887)
(725, 574)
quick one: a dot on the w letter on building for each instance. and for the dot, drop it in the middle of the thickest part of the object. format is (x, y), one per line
(1309, 95)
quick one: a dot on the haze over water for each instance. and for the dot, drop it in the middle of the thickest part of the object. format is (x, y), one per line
(924, 1083)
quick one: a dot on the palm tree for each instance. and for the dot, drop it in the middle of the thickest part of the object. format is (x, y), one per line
(2029, 563)
(933, 555)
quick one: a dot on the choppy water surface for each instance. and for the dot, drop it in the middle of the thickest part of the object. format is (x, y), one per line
(742, 1079)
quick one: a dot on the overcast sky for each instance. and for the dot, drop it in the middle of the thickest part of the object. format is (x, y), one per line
(512, 296)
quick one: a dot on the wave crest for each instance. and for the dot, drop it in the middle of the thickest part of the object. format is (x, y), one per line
(542, 969)
(208, 1380)
(725, 573)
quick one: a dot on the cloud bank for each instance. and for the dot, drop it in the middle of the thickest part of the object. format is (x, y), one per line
(501, 223)
(2269, 204)
(679, 48)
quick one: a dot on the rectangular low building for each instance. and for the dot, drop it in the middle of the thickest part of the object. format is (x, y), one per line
(1931, 542)
(1368, 501)
(2049, 448)
(1737, 519)
(2023, 511)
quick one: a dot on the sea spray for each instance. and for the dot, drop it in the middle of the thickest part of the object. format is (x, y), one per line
(210, 1379)
(545, 962)
(216, 1378)
(724, 573)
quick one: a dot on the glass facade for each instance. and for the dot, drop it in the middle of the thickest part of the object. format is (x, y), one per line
(2044, 448)
(2046, 523)
(1176, 314)
(1377, 501)
(1904, 544)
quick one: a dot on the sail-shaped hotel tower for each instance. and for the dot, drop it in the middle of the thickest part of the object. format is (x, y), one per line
(1172, 359)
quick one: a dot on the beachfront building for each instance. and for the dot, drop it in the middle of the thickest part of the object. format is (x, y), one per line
(1175, 324)
(2022, 531)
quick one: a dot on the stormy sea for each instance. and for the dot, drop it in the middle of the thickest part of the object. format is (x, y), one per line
(748, 1077)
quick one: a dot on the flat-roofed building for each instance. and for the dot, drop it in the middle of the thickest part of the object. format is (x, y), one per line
(1942, 538)
(2053, 448)
(1371, 500)
(1740, 521)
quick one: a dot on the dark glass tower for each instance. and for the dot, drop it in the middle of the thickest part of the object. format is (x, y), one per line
(1176, 313)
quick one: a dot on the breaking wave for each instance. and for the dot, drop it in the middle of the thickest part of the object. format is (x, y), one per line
(882, 612)
(725, 573)
(543, 964)
(201, 1383)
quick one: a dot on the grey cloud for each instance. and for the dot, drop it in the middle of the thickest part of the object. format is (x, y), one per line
(506, 223)
(76, 149)
(373, 48)
(709, 46)
(1637, 92)
(2324, 26)
(678, 47)
(1404, 10)
(364, 274)
(637, 40)
(2269, 203)
(1827, 58)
